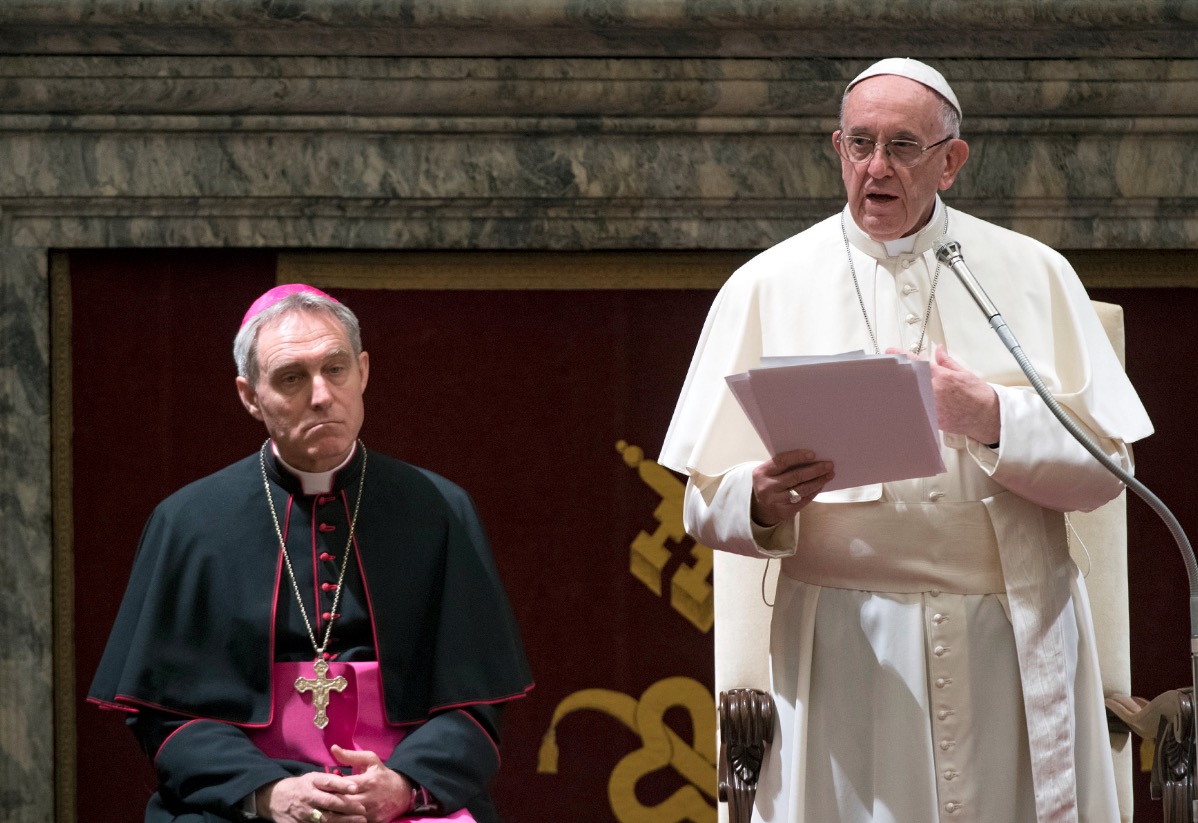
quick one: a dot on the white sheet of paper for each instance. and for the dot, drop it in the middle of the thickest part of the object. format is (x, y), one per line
(873, 416)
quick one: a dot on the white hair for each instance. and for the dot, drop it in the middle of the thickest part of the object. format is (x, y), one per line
(245, 344)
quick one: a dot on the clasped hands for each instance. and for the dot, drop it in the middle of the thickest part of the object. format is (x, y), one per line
(373, 794)
(965, 404)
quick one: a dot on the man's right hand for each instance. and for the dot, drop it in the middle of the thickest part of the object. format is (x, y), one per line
(774, 479)
(292, 799)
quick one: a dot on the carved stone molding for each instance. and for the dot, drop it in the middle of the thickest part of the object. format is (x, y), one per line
(499, 152)
(539, 28)
(554, 92)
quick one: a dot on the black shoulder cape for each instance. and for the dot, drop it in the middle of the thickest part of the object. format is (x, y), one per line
(195, 630)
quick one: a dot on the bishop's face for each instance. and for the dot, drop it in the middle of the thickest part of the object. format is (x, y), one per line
(309, 389)
(886, 200)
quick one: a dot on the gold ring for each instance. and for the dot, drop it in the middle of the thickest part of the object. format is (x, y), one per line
(316, 815)
(794, 496)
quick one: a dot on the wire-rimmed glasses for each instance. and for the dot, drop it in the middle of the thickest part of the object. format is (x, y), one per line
(858, 148)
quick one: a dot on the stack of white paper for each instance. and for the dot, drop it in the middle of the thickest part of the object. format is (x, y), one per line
(873, 416)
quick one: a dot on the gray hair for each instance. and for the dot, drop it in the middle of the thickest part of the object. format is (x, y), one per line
(245, 344)
(950, 121)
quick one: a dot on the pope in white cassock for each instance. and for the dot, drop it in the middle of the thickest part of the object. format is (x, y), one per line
(932, 650)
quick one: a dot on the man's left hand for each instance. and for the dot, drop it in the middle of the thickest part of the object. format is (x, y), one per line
(965, 403)
(386, 794)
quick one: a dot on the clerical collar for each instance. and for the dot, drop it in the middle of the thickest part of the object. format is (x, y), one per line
(314, 482)
(903, 245)
(917, 243)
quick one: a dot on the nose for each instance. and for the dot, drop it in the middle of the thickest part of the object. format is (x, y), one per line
(320, 392)
(879, 164)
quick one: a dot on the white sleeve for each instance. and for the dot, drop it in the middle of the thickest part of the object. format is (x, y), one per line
(717, 513)
(1040, 461)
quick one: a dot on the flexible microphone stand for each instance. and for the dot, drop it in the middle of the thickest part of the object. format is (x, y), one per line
(949, 253)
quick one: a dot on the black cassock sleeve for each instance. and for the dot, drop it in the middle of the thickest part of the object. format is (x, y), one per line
(212, 766)
(454, 755)
(204, 765)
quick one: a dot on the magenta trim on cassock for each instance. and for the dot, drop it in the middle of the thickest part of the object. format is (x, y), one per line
(356, 720)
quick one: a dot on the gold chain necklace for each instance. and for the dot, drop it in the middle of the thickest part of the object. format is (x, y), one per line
(320, 686)
(927, 315)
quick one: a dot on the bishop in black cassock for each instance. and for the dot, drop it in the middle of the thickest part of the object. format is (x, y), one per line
(393, 556)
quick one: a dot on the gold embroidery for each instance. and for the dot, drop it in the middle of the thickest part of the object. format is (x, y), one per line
(662, 747)
(690, 585)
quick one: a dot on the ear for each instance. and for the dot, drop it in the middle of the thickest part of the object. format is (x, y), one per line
(364, 367)
(249, 398)
(954, 159)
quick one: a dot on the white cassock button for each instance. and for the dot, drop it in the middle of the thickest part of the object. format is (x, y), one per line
(934, 496)
(912, 319)
(907, 289)
(906, 264)
(949, 774)
(938, 618)
(941, 682)
(943, 714)
(939, 651)
(945, 745)
(951, 807)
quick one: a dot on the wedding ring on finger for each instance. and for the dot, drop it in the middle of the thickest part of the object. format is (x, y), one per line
(316, 815)
(794, 496)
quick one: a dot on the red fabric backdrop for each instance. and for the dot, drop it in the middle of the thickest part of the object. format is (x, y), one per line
(521, 397)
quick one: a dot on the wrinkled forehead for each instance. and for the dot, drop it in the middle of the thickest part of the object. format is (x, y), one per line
(891, 104)
(301, 335)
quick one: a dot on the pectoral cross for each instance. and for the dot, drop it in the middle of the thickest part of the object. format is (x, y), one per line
(320, 688)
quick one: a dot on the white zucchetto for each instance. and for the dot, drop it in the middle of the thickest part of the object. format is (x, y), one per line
(912, 70)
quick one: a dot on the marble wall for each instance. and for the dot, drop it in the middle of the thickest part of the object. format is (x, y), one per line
(532, 124)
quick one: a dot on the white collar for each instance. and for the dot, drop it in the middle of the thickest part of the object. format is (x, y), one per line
(904, 245)
(314, 482)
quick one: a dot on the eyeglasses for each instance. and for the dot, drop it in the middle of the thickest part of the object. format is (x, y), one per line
(857, 148)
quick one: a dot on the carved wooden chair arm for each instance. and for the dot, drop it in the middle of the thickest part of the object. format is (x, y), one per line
(1169, 720)
(746, 728)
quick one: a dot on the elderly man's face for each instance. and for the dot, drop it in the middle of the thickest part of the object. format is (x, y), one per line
(309, 390)
(888, 201)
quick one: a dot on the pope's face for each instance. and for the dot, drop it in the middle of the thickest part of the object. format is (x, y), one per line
(889, 201)
(309, 389)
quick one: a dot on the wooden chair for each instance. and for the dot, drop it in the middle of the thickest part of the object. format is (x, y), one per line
(1098, 542)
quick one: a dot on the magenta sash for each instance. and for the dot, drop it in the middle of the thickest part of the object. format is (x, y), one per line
(356, 720)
